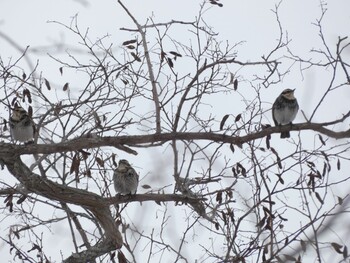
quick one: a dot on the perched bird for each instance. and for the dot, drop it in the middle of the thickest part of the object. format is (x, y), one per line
(22, 127)
(125, 178)
(284, 110)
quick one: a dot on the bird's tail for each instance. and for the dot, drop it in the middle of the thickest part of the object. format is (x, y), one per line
(285, 134)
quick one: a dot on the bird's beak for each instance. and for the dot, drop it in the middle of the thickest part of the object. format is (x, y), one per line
(293, 90)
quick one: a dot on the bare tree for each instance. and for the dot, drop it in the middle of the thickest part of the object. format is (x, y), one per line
(231, 192)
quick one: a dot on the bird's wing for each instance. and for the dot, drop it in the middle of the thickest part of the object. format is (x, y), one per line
(273, 113)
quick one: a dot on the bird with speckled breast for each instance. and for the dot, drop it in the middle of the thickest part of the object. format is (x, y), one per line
(285, 109)
(125, 178)
(22, 127)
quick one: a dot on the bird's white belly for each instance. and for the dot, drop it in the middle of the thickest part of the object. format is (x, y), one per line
(285, 116)
(22, 133)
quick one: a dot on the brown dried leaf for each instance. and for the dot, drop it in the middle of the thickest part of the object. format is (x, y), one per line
(24, 76)
(345, 252)
(30, 111)
(282, 218)
(137, 58)
(175, 54)
(232, 148)
(321, 139)
(222, 123)
(128, 42)
(303, 245)
(47, 84)
(219, 197)
(337, 247)
(75, 164)
(61, 70)
(88, 173)
(146, 186)
(66, 86)
(338, 164)
(319, 198)
(21, 199)
(100, 162)
(235, 84)
(113, 160)
(85, 154)
(170, 62)
(14, 101)
(238, 117)
(130, 47)
(340, 200)
(217, 226)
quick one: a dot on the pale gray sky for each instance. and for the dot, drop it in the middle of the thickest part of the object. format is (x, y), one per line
(26, 22)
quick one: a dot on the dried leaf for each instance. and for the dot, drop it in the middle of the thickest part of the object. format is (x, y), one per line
(170, 62)
(14, 101)
(135, 57)
(217, 226)
(130, 47)
(29, 96)
(235, 84)
(213, 2)
(21, 199)
(282, 218)
(24, 76)
(175, 54)
(324, 170)
(30, 111)
(337, 247)
(219, 197)
(345, 252)
(8, 198)
(128, 42)
(262, 222)
(321, 139)
(75, 164)
(146, 186)
(319, 198)
(238, 117)
(61, 70)
(88, 173)
(113, 160)
(222, 123)
(162, 56)
(234, 171)
(5, 128)
(66, 86)
(232, 148)
(47, 84)
(100, 162)
(340, 200)
(338, 164)
(84, 154)
(303, 245)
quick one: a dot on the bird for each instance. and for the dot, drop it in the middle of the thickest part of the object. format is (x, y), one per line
(284, 110)
(125, 178)
(22, 126)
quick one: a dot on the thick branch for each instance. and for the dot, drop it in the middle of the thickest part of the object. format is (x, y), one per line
(7, 150)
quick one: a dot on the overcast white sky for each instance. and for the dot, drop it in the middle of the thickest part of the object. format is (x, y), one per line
(252, 21)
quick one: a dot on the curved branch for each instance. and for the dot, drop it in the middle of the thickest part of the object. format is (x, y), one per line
(139, 140)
